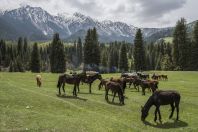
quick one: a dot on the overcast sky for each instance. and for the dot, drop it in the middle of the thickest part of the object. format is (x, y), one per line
(140, 13)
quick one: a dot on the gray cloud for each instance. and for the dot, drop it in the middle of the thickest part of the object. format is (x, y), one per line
(154, 9)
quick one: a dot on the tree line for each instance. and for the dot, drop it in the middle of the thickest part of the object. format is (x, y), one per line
(90, 54)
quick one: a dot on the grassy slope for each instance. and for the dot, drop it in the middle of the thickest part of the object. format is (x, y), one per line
(89, 112)
(168, 39)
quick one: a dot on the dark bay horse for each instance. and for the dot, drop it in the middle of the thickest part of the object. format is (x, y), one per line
(89, 79)
(159, 98)
(115, 88)
(70, 79)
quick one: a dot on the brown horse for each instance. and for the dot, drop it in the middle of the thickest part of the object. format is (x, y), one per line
(150, 84)
(90, 79)
(121, 81)
(38, 80)
(115, 88)
(158, 98)
(70, 79)
(102, 83)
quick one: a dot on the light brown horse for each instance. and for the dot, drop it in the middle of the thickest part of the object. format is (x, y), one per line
(38, 80)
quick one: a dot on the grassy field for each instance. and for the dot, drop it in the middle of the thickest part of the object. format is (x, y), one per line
(25, 107)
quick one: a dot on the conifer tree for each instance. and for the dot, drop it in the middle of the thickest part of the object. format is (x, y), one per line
(35, 59)
(180, 45)
(79, 51)
(194, 59)
(91, 50)
(20, 47)
(123, 60)
(57, 55)
(139, 53)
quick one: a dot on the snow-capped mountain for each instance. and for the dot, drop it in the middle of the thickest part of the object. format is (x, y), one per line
(38, 24)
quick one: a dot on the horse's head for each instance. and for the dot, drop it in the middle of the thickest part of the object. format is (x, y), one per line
(144, 113)
(99, 76)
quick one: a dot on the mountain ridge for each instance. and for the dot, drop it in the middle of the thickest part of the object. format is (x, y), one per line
(37, 24)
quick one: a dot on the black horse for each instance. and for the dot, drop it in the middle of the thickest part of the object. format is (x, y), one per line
(158, 98)
(70, 79)
(90, 79)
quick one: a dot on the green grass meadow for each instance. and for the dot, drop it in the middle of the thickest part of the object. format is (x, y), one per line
(25, 107)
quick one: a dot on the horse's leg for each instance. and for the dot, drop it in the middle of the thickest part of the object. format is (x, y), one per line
(114, 96)
(106, 94)
(155, 119)
(143, 91)
(159, 114)
(172, 110)
(130, 84)
(90, 87)
(63, 88)
(78, 87)
(119, 98)
(59, 90)
(74, 91)
(177, 107)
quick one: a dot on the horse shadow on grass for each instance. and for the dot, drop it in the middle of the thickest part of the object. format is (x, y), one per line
(114, 103)
(89, 93)
(167, 125)
(71, 97)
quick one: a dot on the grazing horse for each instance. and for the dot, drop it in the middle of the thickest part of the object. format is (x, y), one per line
(121, 81)
(164, 77)
(70, 79)
(158, 98)
(137, 83)
(38, 80)
(90, 79)
(115, 88)
(156, 77)
(143, 76)
(153, 85)
(102, 83)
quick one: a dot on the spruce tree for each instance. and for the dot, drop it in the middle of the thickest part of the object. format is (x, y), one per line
(180, 45)
(88, 50)
(20, 47)
(139, 53)
(79, 51)
(96, 47)
(123, 60)
(110, 61)
(35, 59)
(91, 50)
(195, 48)
(57, 55)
